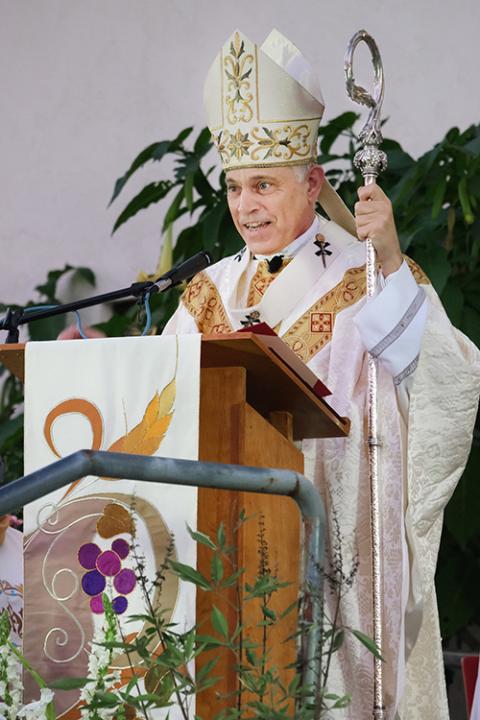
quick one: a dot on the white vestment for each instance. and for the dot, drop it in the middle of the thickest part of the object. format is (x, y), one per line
(428, 379)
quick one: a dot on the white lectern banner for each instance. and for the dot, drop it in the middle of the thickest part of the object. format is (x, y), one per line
(134, 395)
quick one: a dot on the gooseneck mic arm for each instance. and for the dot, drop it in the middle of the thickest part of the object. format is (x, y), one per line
(184, 271)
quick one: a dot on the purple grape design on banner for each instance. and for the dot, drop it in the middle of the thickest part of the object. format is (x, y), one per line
(102, 564)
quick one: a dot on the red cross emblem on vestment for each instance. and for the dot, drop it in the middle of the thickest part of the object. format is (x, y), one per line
(321, 322)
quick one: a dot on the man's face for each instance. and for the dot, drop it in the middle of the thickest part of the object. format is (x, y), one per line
(271, 207)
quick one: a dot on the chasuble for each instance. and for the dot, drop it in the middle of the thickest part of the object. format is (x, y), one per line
(429, 377)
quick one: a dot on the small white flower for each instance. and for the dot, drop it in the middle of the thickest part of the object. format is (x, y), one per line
(36, 710)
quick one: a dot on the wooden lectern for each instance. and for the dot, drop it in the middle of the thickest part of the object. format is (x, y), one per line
(253, 405)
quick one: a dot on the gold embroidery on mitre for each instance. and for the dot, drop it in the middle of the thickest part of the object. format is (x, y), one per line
(262, 280)
(417, 272)
(283, 143)
(202, 300)
(310, 333)
(238, 66)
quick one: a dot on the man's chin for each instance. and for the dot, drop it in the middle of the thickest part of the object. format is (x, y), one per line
(262, 245)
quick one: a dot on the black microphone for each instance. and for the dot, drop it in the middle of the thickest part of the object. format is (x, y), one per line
(184, 271)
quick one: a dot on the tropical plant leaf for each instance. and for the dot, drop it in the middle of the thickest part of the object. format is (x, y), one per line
(330, 132)
(154, 152)
(173, 212)
(151, 193)
(203, 143)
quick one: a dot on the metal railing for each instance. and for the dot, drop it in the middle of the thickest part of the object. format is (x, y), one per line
(207, 475)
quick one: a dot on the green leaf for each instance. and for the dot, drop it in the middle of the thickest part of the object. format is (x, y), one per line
(48, 290)
(438, 197)
(334, 128)
(338, 641)
(457, 604)
(47, 329)
(154, 152)
(211, 642)
(461, 514)
(189, 191)
(293, 606)
(269, 613)
(150, 194)
(251, 657)
(434, 261)
(106, 699)
(116, 326)
(201, 538)
(219, 621)
(464, 198)
(233, 578)
(206, 669)
(342, 702)
(203, 143)
(221, 536)
(216, 568)
(189, 574)
(10, 428)
(368, 643)
(35, 675)
(453, 301)
(173, 213)
(66, 683)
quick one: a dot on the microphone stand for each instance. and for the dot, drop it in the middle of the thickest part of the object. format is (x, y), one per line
(14, 318)
(185, 270)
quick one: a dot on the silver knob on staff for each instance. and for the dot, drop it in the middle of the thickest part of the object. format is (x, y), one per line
(371, 161)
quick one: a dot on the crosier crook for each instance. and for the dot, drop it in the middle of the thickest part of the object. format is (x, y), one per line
(371, 162)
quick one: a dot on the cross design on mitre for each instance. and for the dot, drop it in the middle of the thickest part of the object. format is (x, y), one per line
(322, 245)
(251, 319)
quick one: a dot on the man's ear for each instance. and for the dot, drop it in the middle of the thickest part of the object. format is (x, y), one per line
(315, 178)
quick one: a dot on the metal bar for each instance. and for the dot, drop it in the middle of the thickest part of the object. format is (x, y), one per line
(210, 475)
(371, 161)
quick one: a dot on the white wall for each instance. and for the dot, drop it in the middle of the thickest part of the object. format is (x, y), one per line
(86, 84)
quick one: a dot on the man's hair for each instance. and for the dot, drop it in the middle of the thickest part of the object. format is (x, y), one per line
(301, 171)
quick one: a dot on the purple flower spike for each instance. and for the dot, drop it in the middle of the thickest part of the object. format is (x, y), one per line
(125, 581)
(87, 555)
(121, 547)
(119, 604)
(93, 583)
(108, 563)
(96, 605)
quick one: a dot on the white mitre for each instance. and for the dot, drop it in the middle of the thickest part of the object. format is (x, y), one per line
(264, 106)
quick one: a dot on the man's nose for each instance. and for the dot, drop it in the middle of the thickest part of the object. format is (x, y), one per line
(247, 202)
